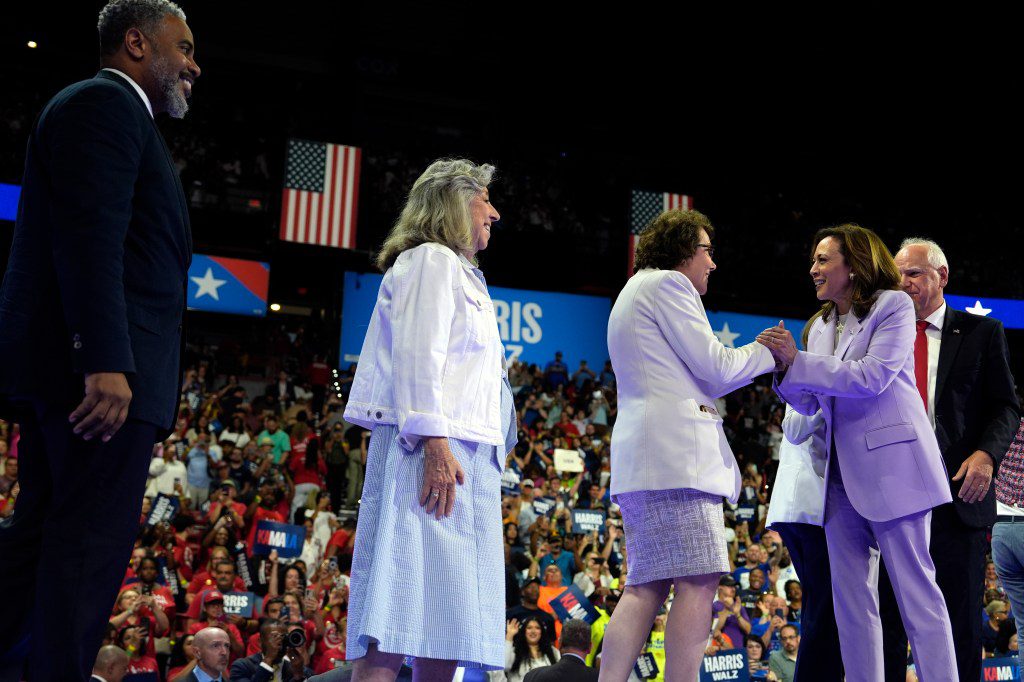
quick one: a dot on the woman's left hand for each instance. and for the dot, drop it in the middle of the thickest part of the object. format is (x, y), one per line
(441, 472)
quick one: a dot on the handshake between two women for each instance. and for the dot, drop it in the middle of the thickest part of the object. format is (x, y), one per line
(780, 342)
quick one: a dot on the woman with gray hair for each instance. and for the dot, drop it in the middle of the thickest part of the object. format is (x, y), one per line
(427, 568)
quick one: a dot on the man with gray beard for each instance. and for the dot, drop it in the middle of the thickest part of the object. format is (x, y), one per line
(90, 331)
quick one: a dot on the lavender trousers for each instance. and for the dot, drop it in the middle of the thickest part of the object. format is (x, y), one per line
(855, 545)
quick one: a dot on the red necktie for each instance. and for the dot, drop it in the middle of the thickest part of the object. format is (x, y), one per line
(921, 361)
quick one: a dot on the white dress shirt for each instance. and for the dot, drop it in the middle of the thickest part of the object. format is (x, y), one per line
(432, 359)
(138, 89)
(934, 335)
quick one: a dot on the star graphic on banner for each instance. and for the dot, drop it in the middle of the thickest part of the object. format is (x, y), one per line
(208, 285)
(978, 309)
(726, 336)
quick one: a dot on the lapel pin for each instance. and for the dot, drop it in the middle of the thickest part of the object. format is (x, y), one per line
(956, 331)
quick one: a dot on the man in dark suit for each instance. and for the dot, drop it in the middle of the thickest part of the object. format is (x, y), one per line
(264, 667)
(90, 331)
(110, 666)
(572, 666)
(963, 375)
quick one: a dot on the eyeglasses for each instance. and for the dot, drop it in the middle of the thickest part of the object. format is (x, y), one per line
(709, 248)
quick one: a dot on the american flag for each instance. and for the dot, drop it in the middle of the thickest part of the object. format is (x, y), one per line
(645, 207)
(321, 194)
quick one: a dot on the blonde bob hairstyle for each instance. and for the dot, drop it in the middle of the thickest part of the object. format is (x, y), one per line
(437, 209)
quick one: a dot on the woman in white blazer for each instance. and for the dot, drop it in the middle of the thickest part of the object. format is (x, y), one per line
(671, 463)
(796, 513)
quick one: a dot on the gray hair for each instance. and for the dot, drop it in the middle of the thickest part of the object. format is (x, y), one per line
(936, 258)
(437, 209)
(576, 635)
(120, 15)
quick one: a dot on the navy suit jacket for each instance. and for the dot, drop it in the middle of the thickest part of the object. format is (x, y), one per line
(568, 669)
(96, 279)
(975, 402)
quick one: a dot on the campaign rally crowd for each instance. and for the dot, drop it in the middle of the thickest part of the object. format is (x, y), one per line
(286, 455)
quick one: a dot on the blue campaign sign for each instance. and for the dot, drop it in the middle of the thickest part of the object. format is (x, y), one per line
(285, 538)
(586, 521)
(573, 604)
(727, 665)
(165, 508)
(543, 505)
(533, 324)
(228, 285)
(1007, 310)
(239, 604)
(646, 667)
(9, 195)
(1005, 668)
(739, 329)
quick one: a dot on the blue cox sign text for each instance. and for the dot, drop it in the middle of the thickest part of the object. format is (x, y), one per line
(533, 325)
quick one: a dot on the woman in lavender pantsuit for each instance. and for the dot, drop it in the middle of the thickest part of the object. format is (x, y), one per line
(427, 569)
(884, 472)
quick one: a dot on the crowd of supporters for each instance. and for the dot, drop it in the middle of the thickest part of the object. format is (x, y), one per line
(282, 452)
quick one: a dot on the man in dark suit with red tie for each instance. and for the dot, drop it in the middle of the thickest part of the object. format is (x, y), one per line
(961, 362)
(91, 314)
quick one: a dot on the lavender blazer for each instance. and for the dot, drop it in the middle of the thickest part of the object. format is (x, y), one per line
(868, 396)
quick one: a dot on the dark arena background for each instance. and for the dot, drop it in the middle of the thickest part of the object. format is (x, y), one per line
(772, 123)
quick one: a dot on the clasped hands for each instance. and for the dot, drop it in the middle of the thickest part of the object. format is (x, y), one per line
(780, 342)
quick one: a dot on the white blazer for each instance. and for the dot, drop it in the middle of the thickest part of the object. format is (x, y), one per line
(800, 481)
(432, 360)
(670, 367)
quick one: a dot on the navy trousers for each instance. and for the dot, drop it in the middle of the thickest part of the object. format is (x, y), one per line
(64, 551)
(819, 658)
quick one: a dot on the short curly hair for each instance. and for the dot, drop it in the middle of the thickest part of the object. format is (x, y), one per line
(117, 16)
(670, 239)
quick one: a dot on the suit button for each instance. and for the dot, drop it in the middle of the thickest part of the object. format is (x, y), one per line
(77, 344)
(379, 415)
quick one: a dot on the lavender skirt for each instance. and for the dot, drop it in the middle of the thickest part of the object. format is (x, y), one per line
(673, 534)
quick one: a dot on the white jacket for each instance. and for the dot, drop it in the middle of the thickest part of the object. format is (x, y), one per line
(668, 364)
(163, 475)
(432, 359)
(800, 482)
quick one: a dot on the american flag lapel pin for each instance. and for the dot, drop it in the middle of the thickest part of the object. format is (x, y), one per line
(956, 331)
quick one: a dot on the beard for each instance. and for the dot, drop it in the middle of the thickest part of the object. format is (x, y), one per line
(168, 81)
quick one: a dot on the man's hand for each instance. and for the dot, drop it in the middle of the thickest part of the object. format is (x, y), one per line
(104, 408)
(441, 473)
(978, 470)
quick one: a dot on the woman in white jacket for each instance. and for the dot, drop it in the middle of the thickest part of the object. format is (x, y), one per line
(796, 512)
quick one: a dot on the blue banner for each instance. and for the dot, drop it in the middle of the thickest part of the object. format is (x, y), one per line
(228, 285)
(239, 604)
(9, 195)
(646, 667)
(573, 604)
(543, 505)
(285, 538)
(165, 508)
(585, 521)
(1007, 310)
(1005, 668)
(533, 324)
(727, 665)
(738, 329)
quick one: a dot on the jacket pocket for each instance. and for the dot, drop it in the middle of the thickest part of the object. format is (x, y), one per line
(887, 435)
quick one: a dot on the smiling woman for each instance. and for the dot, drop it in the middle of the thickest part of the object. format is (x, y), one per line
(671, 463)
(431, 386)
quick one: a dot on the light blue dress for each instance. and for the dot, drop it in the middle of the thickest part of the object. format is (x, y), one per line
(423, 587)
